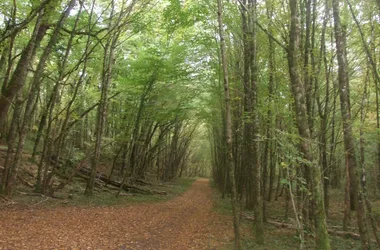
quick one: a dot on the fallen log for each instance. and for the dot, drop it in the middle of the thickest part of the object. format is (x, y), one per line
(143, 182)
(340, 227)
(30, 194)
(101, 179)
(4, 200)
(352, 235)
(125, 194)
(71, 176)
(24, 182)
(85, 173)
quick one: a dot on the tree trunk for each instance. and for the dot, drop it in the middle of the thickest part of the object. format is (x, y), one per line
(349, 143)
(11, 143)
(108, 62)
(255, 156)
(322, 240)
(376, 76)
(228, 125)
(30, 105)
(324, 112)
(18, 78)
(271, 121)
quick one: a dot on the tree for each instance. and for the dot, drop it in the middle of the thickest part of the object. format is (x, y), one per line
(17, 81)
(349, 143)
(228, 127)
(251, 124)
(322, 241)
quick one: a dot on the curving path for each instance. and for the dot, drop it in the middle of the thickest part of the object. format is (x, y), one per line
(185, 222)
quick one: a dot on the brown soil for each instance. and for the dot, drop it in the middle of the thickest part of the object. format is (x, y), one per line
(186, 222)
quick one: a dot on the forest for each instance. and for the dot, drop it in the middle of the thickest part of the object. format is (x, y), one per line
(275, 101)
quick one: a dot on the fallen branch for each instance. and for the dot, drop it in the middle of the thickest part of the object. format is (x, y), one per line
(72, 175)
(86, 172)
(7, 201)
(352, 235)
(41, 201)
(30, 194)
(142, 182)
(4, 198)
(125, 194)
(25, 182)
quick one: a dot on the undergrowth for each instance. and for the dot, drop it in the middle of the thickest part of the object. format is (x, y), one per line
(275, 238)
(74, 196)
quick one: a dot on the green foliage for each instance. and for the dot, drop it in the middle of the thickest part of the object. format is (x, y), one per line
(167, 65)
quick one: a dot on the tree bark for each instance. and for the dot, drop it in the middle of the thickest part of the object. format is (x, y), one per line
(376, 76)
(228, 125)
(30, 104)
(108, 62)
(11, 143)
(18, 78)
(322, 240)
(349, 143)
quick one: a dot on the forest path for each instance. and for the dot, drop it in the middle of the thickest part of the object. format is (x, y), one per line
(185, 222)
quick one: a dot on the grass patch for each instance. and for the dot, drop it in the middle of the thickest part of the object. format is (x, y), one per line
(180, 186)
(221, 205)
(276, 239)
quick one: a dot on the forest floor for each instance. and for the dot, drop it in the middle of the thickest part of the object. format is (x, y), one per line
(280, 237)
(185, 222)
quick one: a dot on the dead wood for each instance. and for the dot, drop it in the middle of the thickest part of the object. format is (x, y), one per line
(25, 182)
(40, 202)
(127, 194)
(31, 194)
(143, 182)
(331, 231)
(72, 175)
(85, 172)
(101, 180)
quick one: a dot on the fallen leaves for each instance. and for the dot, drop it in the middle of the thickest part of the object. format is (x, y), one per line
(186, 222)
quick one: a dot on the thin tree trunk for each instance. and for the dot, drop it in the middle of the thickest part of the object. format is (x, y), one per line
(349, 143)
(324, 112)
(322, 240)
(270, 120)
(17, 81)
(41, 127)
(373, 64)
(228, 124)
(58, 142)
(335, 169)
(278, 186)
(11, 143)
(30, 104)
(7, 58)
(363, 178)
(347, 207)
(108, 62)
(255, 156)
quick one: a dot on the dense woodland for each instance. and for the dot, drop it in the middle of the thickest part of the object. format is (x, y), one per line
(275, 100)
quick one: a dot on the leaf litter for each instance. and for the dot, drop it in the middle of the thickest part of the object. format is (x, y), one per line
(185, 222)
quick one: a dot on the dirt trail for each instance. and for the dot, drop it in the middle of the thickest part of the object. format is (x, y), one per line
(185, 222)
